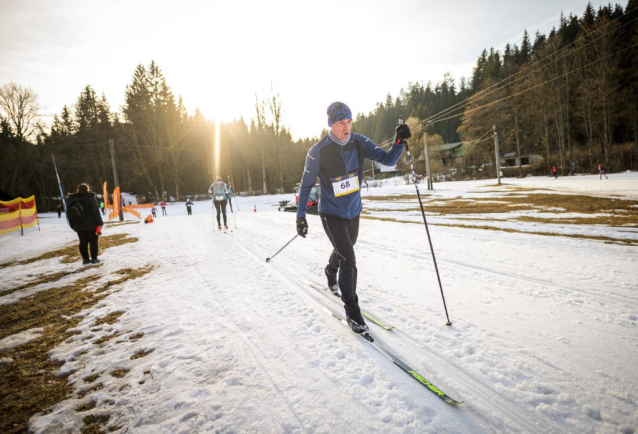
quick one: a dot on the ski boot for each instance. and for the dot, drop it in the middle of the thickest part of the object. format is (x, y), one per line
(332, 281)
(357, 324)
(220, 228)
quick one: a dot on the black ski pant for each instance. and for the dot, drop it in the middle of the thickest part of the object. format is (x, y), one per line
(88, 238)
(220, 204)
(343, 235)
(190, 212)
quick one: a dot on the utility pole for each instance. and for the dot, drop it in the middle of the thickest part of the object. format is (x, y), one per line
(498, 160)
(115, 179)
(428, 168)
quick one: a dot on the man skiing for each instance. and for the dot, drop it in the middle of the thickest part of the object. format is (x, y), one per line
(189, 206)
(337, 160)
(163, 205)
(602, 172)
(555, 172)
(219, 190)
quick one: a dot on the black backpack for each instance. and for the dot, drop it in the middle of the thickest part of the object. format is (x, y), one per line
(76, 212)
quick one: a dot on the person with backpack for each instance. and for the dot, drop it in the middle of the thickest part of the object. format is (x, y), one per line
(84, 217)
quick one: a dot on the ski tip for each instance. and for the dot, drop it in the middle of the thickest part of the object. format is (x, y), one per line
(453, 402)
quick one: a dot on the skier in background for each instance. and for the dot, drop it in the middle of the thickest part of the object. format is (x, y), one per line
(59, 209)
(602, 172)
(189, 206)
(219, 190)
(229, 194)
(555, 172)
(163, 205)
(102, 207)
(154, 212)
(337, 160)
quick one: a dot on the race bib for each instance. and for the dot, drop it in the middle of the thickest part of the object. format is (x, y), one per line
(345, 185)
(220, 197)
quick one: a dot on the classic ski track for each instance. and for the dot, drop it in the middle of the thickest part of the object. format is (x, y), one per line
(594, 295)
(598, 295)
(329, 380)
(252, 348)
(513, 412)
(313, 295)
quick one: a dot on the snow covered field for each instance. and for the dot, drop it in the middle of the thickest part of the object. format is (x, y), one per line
(544, 335)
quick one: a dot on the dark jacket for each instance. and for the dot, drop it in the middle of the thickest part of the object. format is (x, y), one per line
(332, 163)
(93, 218)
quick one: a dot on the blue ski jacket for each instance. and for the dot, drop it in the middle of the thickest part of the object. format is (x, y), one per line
(334, 163)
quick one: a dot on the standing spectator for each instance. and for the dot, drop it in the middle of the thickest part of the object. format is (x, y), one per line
(602, 172)
(189, 206)
(154, 211)
(84, 217)
(59, 209)
(555, 172)
(163, 205)
(102, 207)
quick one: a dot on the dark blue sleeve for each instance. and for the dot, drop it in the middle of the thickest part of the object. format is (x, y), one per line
(310, 173)
(374, 153)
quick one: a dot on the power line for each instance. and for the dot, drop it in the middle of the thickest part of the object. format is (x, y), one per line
(529, 67)
(538, 85)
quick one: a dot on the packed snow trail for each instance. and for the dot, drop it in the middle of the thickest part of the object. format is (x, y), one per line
(544, 329)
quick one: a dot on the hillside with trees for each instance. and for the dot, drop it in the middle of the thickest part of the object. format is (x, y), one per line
(570, 97)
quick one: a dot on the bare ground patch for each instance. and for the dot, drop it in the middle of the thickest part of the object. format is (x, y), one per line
(71, 252)
(30, 383)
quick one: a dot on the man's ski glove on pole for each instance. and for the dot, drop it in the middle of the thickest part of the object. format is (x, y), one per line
(302, 226)
(403, 133)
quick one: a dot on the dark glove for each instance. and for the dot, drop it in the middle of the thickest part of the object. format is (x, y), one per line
(403, 133)
(98, 230)
(302, 226)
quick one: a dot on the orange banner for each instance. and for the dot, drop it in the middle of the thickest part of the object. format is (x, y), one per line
(116, 202)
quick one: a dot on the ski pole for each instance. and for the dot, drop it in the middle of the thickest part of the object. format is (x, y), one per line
(293, 239)
(233, 213)
(416, 185)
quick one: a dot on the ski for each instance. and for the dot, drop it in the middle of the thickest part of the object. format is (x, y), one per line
(397, 361)
(378, 322)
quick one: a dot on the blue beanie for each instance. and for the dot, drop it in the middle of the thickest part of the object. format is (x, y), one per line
(338, 111)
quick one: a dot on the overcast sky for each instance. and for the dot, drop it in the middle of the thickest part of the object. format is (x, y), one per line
(218, 54)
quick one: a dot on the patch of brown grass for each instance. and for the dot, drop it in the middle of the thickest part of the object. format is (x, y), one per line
(71, 253)
(93, 423)
(141, 353)
(31, 384)
(623, 241)
(120, 373)
(85, 407)
(113, 316)
(106, 338)
(91, 378)
(48, 278)
(136, 336)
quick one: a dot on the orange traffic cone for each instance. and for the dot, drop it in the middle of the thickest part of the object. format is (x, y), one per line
(255, 210)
